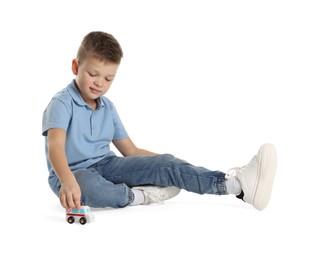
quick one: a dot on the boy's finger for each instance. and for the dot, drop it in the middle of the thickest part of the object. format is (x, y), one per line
(77, 201)
(70, 201)
(78, 204)
(62, 199)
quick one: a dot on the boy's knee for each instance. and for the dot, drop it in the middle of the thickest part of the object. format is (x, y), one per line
(166, 158)
(98, 192)
(172, 160)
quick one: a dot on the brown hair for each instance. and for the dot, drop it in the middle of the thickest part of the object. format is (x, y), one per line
(101, 46)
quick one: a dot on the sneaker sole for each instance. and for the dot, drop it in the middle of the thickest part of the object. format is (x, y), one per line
(266, 173)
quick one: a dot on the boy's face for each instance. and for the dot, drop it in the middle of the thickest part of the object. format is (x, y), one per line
(93, 78)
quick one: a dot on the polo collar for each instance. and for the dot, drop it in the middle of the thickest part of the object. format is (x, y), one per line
(73, 91)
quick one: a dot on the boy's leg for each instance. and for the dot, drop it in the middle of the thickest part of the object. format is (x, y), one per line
(100, 193)
(162, 170)
(97, 191)
(255, 180)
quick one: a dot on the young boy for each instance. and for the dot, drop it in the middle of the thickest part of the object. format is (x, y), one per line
(79, 124)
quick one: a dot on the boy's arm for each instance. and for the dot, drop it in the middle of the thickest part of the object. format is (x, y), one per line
(69, 193)
(128, 148)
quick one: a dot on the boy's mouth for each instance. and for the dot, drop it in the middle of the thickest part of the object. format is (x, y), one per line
(95, 91)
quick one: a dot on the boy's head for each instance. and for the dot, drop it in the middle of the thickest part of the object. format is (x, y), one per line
(95, 67)
(101, 46)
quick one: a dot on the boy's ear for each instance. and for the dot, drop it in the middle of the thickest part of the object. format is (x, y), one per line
(75, 67)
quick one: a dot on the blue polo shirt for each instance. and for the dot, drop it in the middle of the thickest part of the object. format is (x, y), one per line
(88, 132)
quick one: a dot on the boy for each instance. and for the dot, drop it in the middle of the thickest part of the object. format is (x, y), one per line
(79, 124)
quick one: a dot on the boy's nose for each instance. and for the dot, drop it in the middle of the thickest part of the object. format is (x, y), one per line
(98, 84)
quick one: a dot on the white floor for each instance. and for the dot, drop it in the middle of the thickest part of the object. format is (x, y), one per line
(208, 81)
(189, 226)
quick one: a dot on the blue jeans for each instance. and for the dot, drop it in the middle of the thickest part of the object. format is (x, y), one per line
(108, 182)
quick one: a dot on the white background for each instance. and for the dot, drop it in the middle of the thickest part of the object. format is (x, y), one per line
(208, 81)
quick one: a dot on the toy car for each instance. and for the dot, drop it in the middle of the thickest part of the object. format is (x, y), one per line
(83, 215)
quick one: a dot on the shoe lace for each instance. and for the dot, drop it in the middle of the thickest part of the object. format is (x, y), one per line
(155, 198)
(232, 172)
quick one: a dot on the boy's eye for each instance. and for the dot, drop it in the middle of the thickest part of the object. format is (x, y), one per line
(108, 80)
(91, 74)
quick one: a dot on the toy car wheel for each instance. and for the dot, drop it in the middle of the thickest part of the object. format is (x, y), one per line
(71, 220)
(82, 221)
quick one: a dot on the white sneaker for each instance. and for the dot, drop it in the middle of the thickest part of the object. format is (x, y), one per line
(257, 177)
(157, 194)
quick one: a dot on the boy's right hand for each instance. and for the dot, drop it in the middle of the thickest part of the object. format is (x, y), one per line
(70, 194)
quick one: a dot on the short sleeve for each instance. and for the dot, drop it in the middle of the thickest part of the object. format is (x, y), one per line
(57, 115)
(119, 129)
